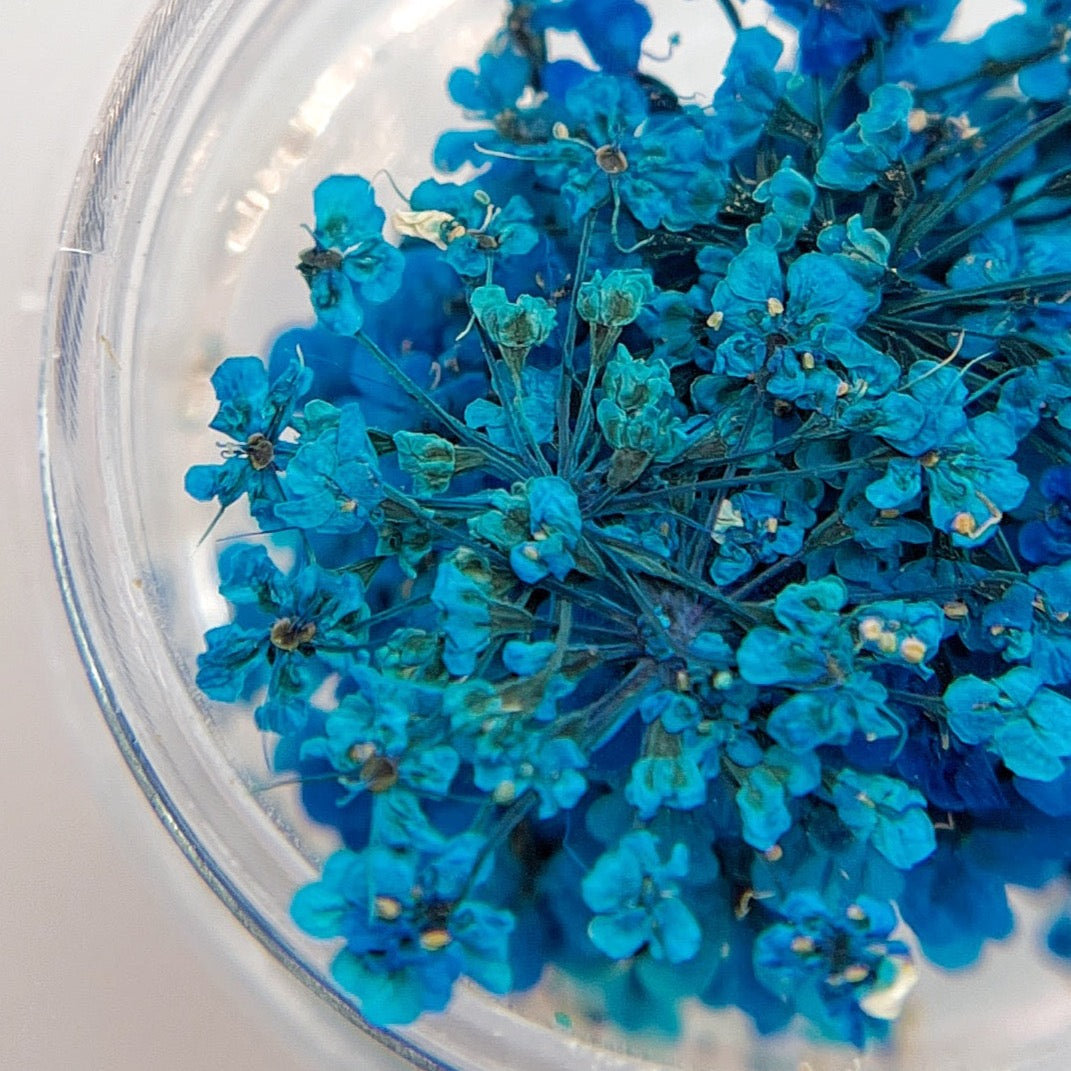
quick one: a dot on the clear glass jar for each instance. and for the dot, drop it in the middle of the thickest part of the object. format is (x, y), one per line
(178, 251)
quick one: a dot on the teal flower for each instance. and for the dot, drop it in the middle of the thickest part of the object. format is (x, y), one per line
(538, 525)
(253, 411)
(1026, 724)
(333, 483)
(463, 596)
(766, 789)
(837, 966)
(350, 262)
(554, 523)
(789, 198)
(886, 812)
(291, 631)
(797, 329)
(462, 222)
(855, 159)
(636, 900)
(616, 300)
(970, 476)
(636, 411)
(376, 740)
(409, 935)
(750, 90)
(514, 326)
(657, 166)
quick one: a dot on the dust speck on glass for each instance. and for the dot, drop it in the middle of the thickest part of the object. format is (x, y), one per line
(680, 521)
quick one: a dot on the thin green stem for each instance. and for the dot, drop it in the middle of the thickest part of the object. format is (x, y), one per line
(599, 352)
(964, 236)
(565, 383)
(464, 434)
(977, 295)
(731, 14)
(749, 478)
(982, 176)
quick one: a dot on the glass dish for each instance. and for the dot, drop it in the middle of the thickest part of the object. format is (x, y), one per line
(178, 251)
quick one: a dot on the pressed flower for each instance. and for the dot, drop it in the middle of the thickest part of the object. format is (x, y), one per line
(636, 903)
(254, 411)
(295, 630)
(351, 261)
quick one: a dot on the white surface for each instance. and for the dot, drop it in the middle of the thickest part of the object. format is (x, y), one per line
(113, 955)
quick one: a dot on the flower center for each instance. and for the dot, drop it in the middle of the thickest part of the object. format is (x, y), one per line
(260, 451)
(379, 773)
(288, 635)
(612, 160)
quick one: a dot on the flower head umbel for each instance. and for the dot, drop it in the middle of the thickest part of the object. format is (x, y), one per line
(681, 521)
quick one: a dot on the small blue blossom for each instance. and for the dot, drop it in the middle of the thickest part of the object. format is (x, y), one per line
(462, 594)
(797, 327)
(635, 412)
(367, 740)
(789, 197)
(612, 30)
(333, 483)
(765, 791)
(616, 300)
(408, 935)
(1027, 725)
(861, 251)
(554, 525)
(636, 901)
(253, 411)
(515, 326)
(871, 145)
(839, 967)
(755, 526)
(350, 261)
(462, 222)
(674, 779)
(1048, 540)
(750, 90)
(291, 631)
(657, 166)
(549, 767)
(886, 812)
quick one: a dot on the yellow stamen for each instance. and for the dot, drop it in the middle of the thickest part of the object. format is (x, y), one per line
(434, 940)
(912, 650)
(387, 908)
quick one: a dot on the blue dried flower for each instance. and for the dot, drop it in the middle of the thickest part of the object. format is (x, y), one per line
(254, 412)
(408, 935)
(680, 522)
(350, 261)
(290, 633)
(636, 901)
(871, 145)
(616, 300)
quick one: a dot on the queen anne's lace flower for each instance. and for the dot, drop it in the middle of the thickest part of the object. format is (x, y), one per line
(680, 521)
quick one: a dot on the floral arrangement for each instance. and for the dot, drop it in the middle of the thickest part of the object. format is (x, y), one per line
(678, 516)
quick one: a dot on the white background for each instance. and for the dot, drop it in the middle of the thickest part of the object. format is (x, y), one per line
(113, 955)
